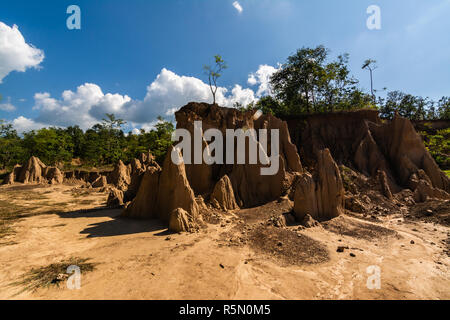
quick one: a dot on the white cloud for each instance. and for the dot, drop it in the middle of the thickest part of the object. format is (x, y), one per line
(15, 53)
(262, 78)
(84, 107)
(22, 124)
(7, 106)
(238, 6)
(165, 95)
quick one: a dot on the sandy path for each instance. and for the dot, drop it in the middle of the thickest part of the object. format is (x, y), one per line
(136, 260)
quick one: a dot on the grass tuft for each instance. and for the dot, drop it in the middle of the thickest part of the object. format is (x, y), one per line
(50, 275)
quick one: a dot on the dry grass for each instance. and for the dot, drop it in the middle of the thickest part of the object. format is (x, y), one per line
(49, 275)
(10, 213)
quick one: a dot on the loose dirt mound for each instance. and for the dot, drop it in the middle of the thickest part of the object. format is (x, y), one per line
(287, 246)
(356, 229)
(431, 211)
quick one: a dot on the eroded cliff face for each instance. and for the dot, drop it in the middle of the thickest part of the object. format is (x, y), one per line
(250, 186)
(390, 150)
(353, 161)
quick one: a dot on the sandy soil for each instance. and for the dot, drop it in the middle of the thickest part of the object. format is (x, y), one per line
(242, 256)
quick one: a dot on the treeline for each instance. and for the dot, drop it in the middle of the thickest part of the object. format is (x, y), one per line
(309, 82)
(104, 144)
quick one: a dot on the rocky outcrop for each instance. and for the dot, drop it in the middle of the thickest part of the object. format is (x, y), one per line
(321, 195)
(362, 141)
(180, 221)
(14, 175)
(120, 176)
(163, 191)
(174, 189)
(35, 171)
(383, 181)
(53, 175)
(115, 198)
(144, 205)
(250, 187)
(100, 182)
(223, 195)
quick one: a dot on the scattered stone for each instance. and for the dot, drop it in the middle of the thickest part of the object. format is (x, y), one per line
(412, 242)
(428, 212)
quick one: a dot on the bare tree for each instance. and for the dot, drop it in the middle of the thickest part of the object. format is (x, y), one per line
(370, 65)
(214, 73)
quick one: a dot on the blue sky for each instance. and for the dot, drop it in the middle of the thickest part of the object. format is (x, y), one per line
(123, 46)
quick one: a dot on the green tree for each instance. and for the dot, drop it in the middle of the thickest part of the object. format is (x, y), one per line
(214, 73)
(308, 83)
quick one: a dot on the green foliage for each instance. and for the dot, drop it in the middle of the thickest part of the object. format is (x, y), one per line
(215, 73)
(308, 83)
(102, 145)
(409, 106)
(439, 146)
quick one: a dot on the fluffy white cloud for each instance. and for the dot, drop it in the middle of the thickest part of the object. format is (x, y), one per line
(166, 94)
(262, 78)
(84, 107)
(238, 6)
(15, 53)
(22, 124)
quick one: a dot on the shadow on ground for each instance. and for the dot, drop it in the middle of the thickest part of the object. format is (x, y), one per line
(117, 226)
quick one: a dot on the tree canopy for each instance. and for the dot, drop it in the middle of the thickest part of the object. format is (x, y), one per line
(103, 144)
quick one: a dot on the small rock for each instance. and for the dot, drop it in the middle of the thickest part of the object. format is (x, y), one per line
(352, 255)
(62, 276)
(221, 265)
(428, 212)
(168, 238)
(412, 242)
(341, 249)
(280, 244)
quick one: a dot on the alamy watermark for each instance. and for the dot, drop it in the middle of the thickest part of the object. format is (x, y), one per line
(374, 20)
(209, 148)
(74, 20)
(74, 281)
(374, 280)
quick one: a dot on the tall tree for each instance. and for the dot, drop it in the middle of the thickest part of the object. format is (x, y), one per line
(370, 65)
(307, 83)
(214, 73)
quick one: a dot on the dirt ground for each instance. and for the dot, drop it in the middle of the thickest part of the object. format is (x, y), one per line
(240, 256)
